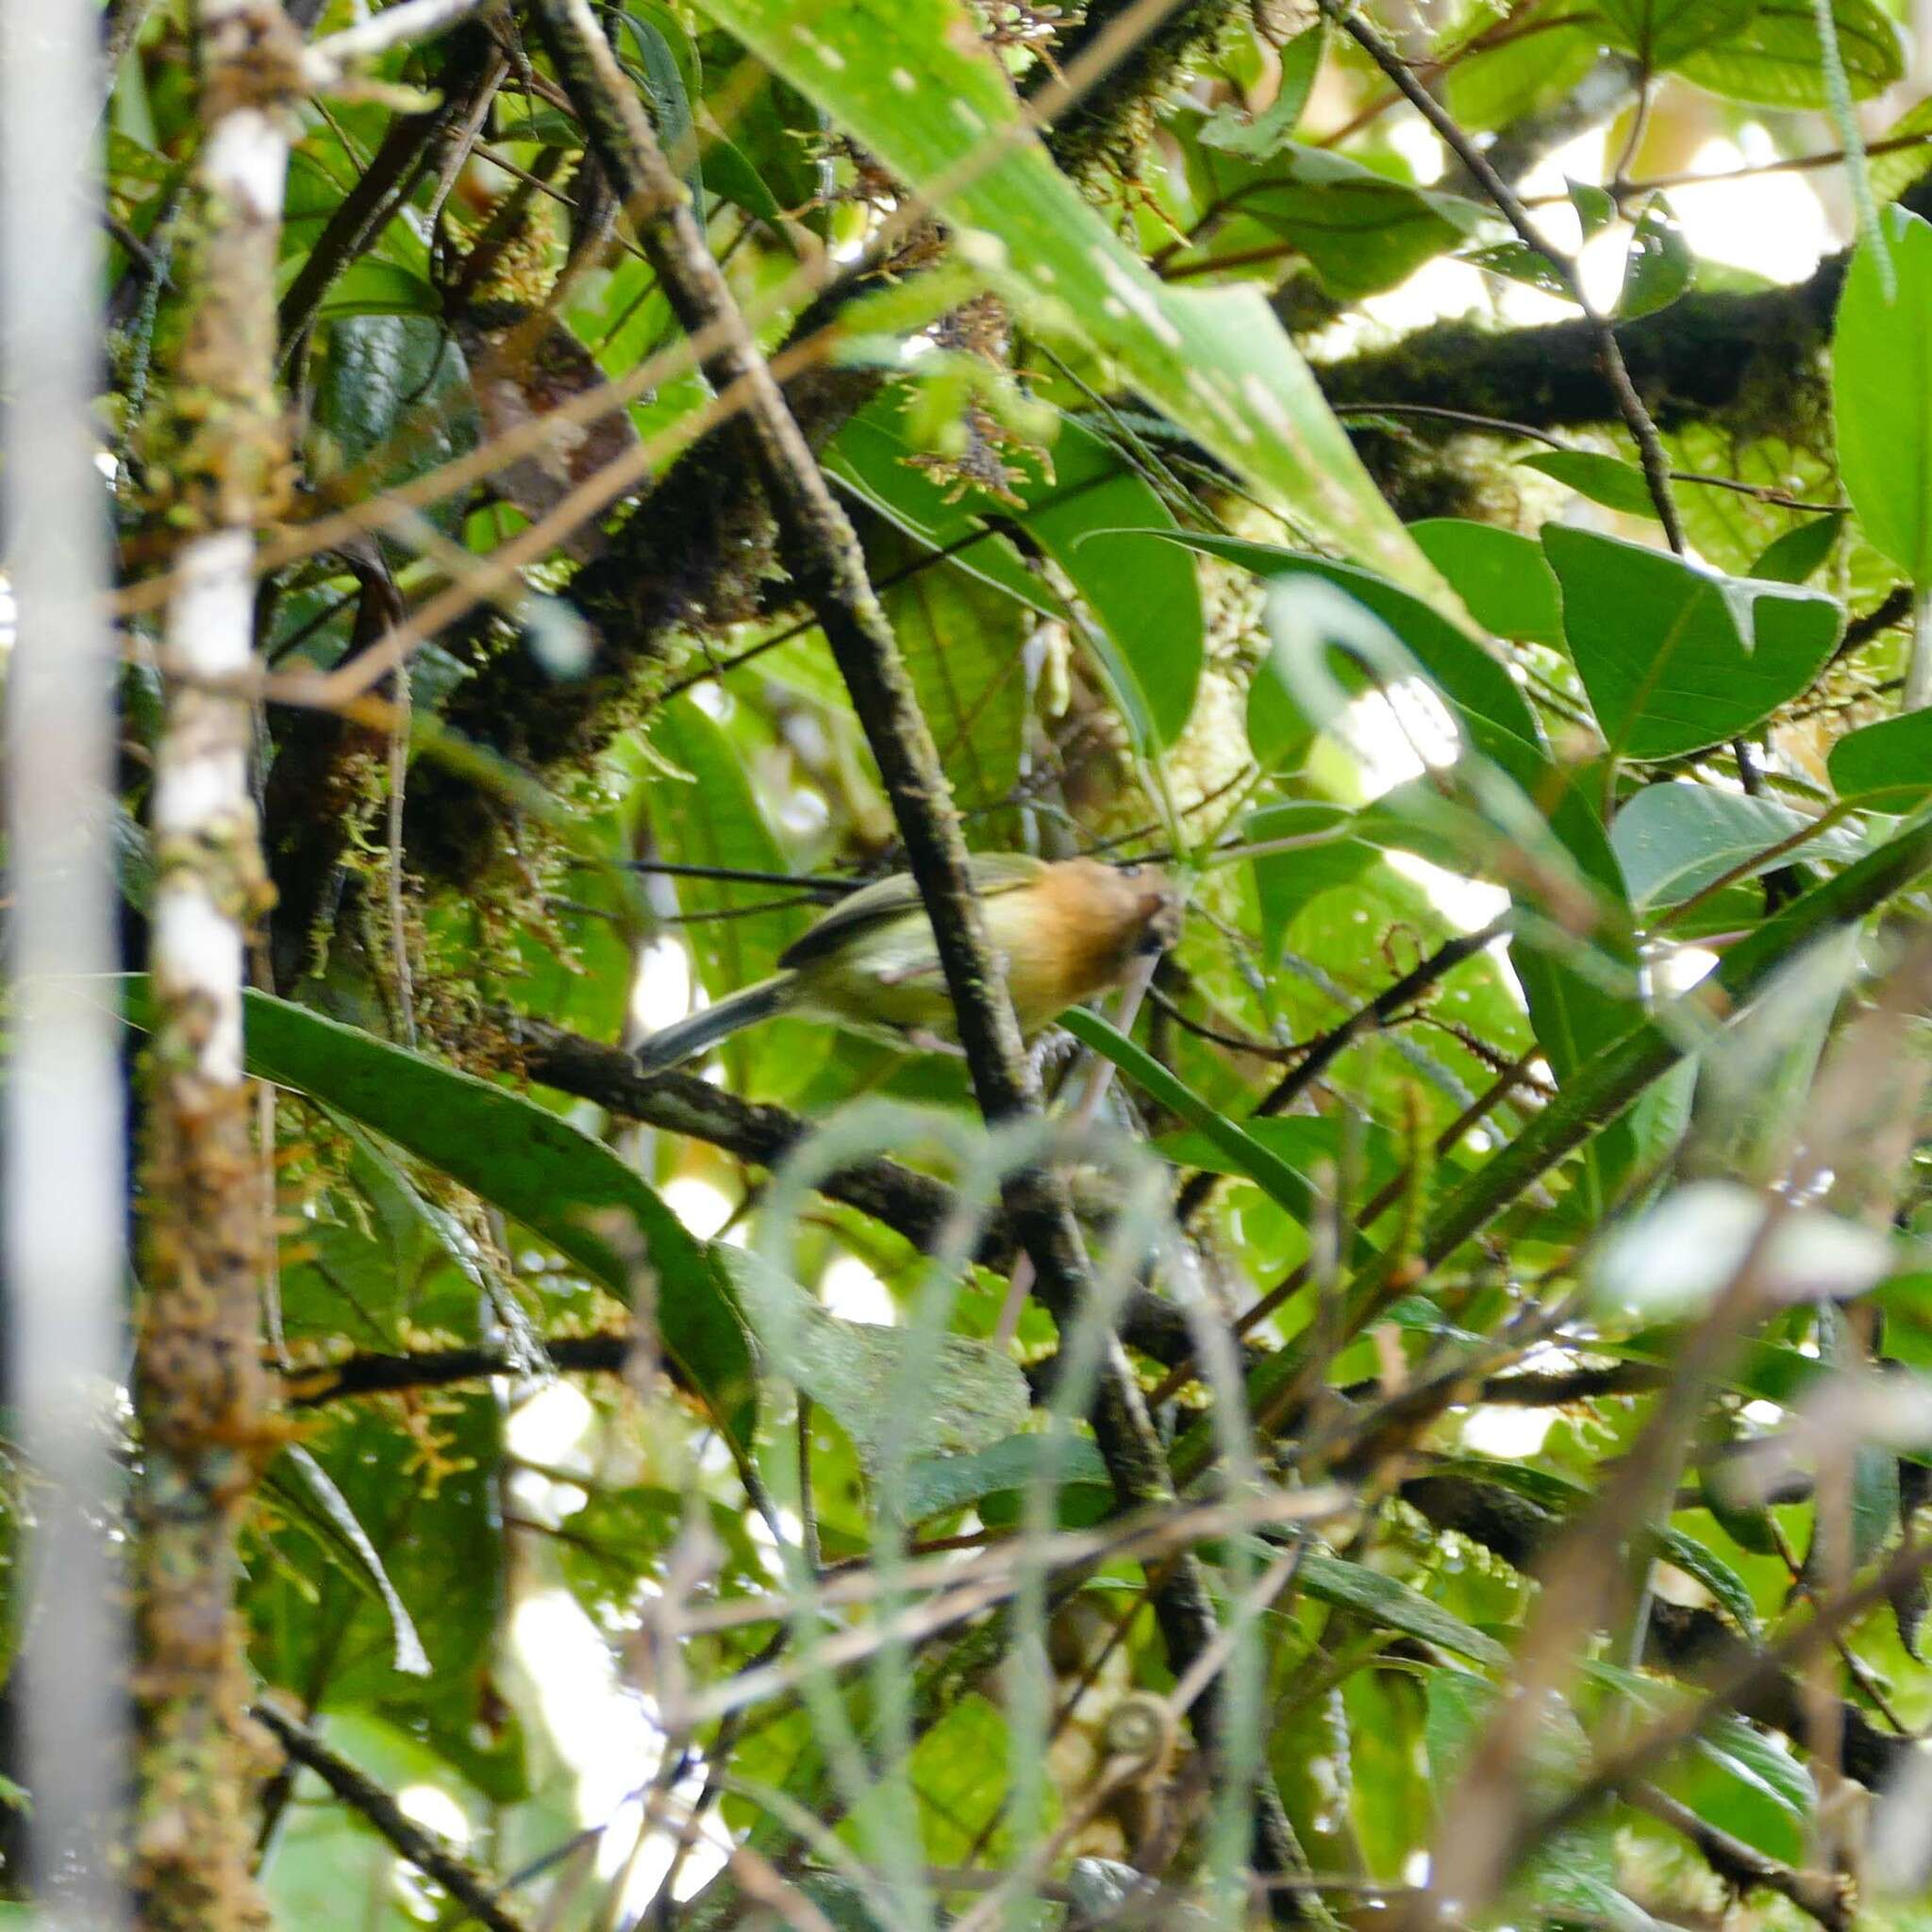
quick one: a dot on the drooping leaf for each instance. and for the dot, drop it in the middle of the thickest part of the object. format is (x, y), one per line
(1395, 1605)
(1881, 385)
(1660, 33)
(538, 1169)
(394, 395)
(1658, 268)
(1608, 480)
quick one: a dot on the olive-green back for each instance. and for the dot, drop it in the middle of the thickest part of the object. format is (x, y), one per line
(877, 905)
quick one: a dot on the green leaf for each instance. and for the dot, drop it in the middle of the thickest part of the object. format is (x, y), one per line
(1893, 172)
(1361, 231)
(1394, 1605)
(1661, 33)
(1608, 480)
(1519, 263)
(1881, 385)
(393, 394)
(1658, 268)
(669, 85)
(1800, 553)
(1710, 1570)
(971, 1394)
(1658, 644)
(1286, 881)
(1475, 685)
(1595, 207)
(539, 1170)
(962, 642)
(1775, 58)
(327, 1505)
(1888, 765)
(1502, 575)
(1268, 1173)
(1142, 593)
(1216, 361)
(729, 174)
(372, 285)
(1673, 840)
(939, 1485)
(1496, 87)
(1258, 138)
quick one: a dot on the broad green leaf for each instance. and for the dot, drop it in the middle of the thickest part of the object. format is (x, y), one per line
(1658, 268)
(317, 1495)
(374, 287)
(321, 1628)
(1608, 480)
(913, 82)
(1268, 1173)
(1660, 33)
(962, 641)
(1658, 644)
(1142, 594)
(1887, 765)
(1710, 1569)
(1085, 508)
(1394, 1605)
(1673, 840)
(1595, 207)
(1286, 881)
(539, 1170)
(1477, 685)
(1800, 553)
(972, 1395)
(1503, 577)
(393, 383)
(1361, 231)
(935, 1486)
(1881, 385)
(1774, 58)
(1496, 87)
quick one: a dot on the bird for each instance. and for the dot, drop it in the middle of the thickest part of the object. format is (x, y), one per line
(1061, 931)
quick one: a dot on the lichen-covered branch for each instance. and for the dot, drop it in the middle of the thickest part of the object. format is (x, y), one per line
(201, 1394)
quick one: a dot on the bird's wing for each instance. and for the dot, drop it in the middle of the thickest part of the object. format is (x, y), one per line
(887, 899)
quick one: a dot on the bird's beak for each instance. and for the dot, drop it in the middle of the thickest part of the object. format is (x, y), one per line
(1161, 913)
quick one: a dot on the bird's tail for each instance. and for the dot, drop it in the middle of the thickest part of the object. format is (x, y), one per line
(671, 1045)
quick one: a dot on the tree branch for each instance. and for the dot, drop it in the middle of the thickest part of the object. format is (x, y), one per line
(823, 556)
(469, 1888)
(200, 1393)
(911, 1203)
(1826, 1896)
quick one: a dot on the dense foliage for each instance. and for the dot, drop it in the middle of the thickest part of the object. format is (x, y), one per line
(1508, 1194)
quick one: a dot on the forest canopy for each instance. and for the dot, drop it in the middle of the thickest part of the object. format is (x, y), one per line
(1322, 1316)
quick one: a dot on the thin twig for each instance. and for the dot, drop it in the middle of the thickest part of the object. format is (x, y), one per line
(471, 1889)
